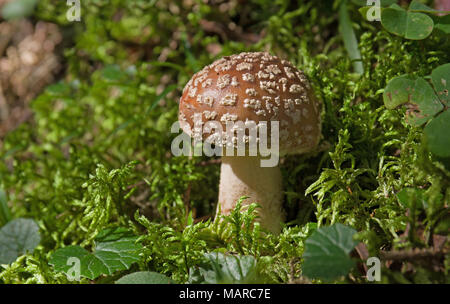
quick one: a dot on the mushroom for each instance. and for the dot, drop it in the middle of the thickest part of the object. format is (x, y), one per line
(252, 87)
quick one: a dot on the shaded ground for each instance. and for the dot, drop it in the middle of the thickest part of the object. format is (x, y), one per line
(28, 63)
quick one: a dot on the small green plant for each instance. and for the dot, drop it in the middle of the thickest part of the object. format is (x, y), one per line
(18, 237)
(115, 249)
(417, 22)
(326, 252)
(144, 277)
(95, 153)
(219, 268)
(426, 105)
(18, 9)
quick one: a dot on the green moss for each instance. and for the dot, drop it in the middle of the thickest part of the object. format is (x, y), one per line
(97, 153)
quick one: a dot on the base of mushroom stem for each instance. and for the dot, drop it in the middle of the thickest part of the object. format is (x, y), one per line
(243, 176)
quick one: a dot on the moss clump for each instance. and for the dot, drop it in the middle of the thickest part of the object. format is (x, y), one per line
(97, 152)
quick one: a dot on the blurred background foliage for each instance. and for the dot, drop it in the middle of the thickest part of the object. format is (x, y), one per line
(92, 149)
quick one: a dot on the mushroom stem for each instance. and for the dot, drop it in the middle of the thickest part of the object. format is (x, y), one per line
(244, 176)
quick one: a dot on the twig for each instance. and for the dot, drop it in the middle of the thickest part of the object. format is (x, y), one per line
(140, 183)
(410, 255)
(202, 218)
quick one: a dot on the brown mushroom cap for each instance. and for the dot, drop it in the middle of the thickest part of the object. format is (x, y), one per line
(256, 87)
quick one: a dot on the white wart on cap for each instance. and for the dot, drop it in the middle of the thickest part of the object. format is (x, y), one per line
(257, 87)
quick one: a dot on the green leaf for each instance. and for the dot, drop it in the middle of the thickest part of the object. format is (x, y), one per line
(58, 89)
(417, 6)
(18, 9)
(225, 269)
(394, 20)
(113, 73)
(440, 77)
(349, 37)
(383, 3)
(398, 91)
(442, 23)
(144, 277)
(424, 103)
(115, 249)
(436, 135)
(410, 25)
(418, 26)
(364, 9)
(412, 197)
(17, 238)
(327, 252)
(60, 258)
(5, 213)
(419, 95)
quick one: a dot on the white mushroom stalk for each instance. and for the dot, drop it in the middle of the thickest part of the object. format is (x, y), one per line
(260, 88)
(243, 175)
